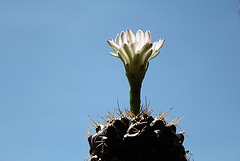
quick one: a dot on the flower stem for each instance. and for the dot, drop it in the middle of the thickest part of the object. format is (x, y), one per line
(135, 100)
(135, 93)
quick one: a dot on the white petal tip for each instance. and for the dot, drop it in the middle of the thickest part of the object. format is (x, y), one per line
(114, 54)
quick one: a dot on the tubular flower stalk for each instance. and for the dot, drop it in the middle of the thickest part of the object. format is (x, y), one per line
(135, 52)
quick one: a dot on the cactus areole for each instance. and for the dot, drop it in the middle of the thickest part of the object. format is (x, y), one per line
(135, 52)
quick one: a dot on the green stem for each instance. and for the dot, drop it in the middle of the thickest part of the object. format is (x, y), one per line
(135, 95)
(135, 100)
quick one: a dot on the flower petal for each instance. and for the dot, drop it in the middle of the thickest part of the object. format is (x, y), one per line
(154, 45)
(123, 37)
(122, 58)
(123, 55)
(130, 36)
(145, 48)
(139, 39)
(133, 49)
(159, 44)
(127, 51)
(154, 55)
(114, 54)
(147, 36)
(113, 45)
(146, 57)
(117, 40)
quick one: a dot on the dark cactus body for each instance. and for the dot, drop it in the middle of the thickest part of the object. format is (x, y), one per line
(141, 138)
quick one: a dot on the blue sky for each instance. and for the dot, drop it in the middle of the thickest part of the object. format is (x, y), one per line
(55, 71)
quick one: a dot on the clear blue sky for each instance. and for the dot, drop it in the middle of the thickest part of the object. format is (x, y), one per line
(55, 70)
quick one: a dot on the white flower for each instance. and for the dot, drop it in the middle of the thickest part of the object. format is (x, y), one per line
(135, 51)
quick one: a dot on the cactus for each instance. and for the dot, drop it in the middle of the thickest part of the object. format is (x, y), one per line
(135, 135)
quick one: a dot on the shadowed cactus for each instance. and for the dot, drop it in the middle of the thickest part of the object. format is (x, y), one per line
(135, 135)
(141, 138)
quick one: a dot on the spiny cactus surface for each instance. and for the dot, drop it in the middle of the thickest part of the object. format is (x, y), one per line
(140, 138)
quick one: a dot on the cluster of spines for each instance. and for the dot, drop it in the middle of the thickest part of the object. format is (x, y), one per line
(110, 139)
